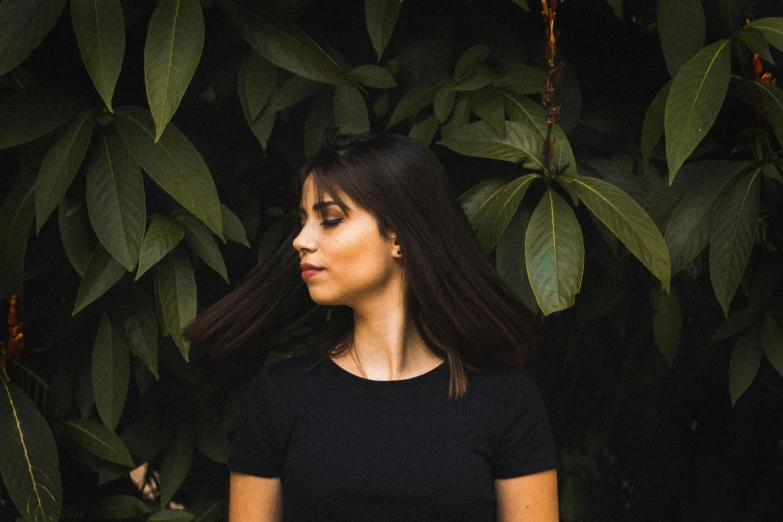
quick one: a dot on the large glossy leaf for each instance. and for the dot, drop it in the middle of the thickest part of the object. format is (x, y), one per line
(682, 29)
(256, 83)
(443, 103)
(652, 128)
(424, 130)
(744, 364)
(16, 219)
(754, 40)
(110, 373)
(510, 259)
(162, 236)
(487, 104)
(627, 220)
(522, 79)
(733, 236)
(381, 17)
(736, 322)
(102, 273)
(99, 440)
(73, 234)
(771, 28)
(118, 507)
(175, 38)
(350, 111)
(476, 197)
(176, 463)
(176, 285)
(115, 199)
(493, 217)
(31, 113)
(554, 253)
(23, 24)
(688, 231)
(100, 33)
(773, 102)
(373, 76)
(203, 245)
(519, 144)
(282, 42)
(695, 98)
(414, 100)
(61, 163)
(29, 466)
(173, 163)
(772, 343)
(666, 322)
(233, 227)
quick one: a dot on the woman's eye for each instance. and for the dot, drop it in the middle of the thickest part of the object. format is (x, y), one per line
(330, 222)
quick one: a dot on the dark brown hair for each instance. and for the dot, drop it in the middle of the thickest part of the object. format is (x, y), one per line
(459, 304)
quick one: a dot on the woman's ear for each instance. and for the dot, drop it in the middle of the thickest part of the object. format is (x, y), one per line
(395, 245)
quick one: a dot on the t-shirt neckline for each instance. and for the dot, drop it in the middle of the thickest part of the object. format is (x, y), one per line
(426, 377)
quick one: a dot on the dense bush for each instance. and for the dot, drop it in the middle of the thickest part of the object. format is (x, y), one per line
(620, 162)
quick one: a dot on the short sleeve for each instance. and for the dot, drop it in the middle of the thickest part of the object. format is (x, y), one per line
(525, 445)
(255, 448)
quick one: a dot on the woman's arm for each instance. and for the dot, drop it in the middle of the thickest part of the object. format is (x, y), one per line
(529, 498)
(255, 499)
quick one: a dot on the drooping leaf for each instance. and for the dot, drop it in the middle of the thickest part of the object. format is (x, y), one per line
(103, 271)
(319, 119)
(176, 284)
(682, 29)
(522, 79)
(23, 24)
(414, 100)
(175, 38)
(73, 234)
(522, 4)
(744, 364)
(653, 126)
(736, 322)
(282, 42)
(476, 197)
(100, 32)
(424, 130)
(733, 236)
(667, 322)
(294, 90)
(162, 236)
(115, 199)
(110, 373)
(771, 28)
(211, 441)
(627, 220)
(373, 76)
(510, 259)
(176, 464)
(202, 243)
(34, 112)
(208, 510)
(16, 219)
(492, 218)
(519, 144)
(350, 111)
(61, 163)
(117, 507)
(381, 17)
(469, 60)
(554, 253)
(754, 40)
(480, 77)
(147, 437)
(256, 83)
(694, 100)
(617, 7)
(460, 116)
(772, 343)
(173, 163)
(99, 440)
(132, 314)
(29, 466)
(233, 228)
(688, 231)
(773, 102)
(487, 104)
(443, 103)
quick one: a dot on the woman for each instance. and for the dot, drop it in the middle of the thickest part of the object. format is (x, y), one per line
(408, 402)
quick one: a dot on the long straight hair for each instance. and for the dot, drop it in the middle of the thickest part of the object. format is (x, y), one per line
(454, 296)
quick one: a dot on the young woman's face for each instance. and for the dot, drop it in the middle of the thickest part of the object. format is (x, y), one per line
(354, 262)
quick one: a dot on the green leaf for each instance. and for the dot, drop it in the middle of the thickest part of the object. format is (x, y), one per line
(176, 285)
(73, 234)
(16, 219)
(522, 79)
(350, 111)
(381, 17)
(208, 510)
(487, 104)
(522, 4)
(176, 464)
(262, 126)
(754, 40)
(735, 323)
(666, 321)
(520, 143)
(424, 131)
(23, 24)
(443, 103)
(554, 253)
(233, 228)
(102, 273)
(771, 28)
(118, 507)
(510, 259)
(772, 343)
(283, 43)
(627, 220)
(115, 199)
(373, 76)
(211, 441)
(99, 440)
(29, 466)
(480, 77)
(744, 364)
(202, 243)
(296, 89)
(492, 218)
(733, 236)
(470, 60)
(31, 113)
(414, 100)
(773, 102)
(617, 7)
(147, 436)
(175, 38)
(682, 29)
(132, 314)
(688, 231)
(173, 163)
(476, 197)
(460, 116)
(257, 81)
(270, 241)
(110, 373)
(61, 163)
(171, 515)
(100, 33)
(162, 236)
(652, 128)
(319, 119)
(695, 98)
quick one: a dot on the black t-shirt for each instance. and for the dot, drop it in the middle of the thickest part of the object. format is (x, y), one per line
(350, 449)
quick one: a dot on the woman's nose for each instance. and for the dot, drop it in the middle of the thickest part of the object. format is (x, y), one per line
(304, 240)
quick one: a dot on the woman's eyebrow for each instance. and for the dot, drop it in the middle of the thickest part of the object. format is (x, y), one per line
(320, 205)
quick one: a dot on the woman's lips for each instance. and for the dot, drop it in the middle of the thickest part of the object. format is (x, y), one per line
(308, 273)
